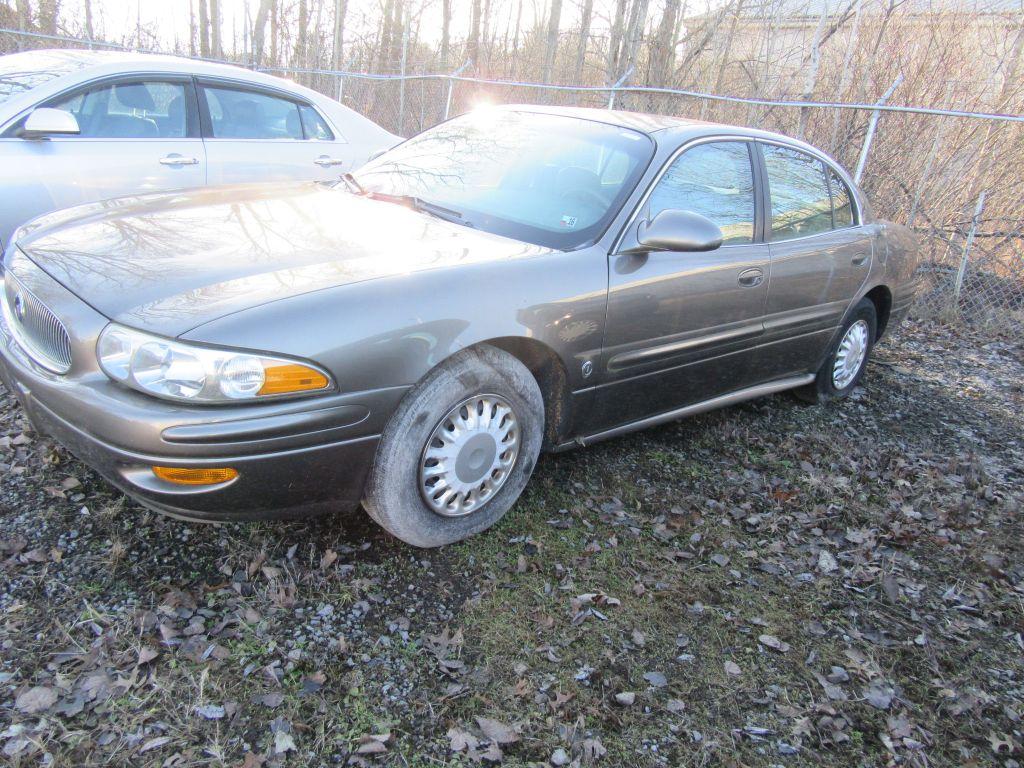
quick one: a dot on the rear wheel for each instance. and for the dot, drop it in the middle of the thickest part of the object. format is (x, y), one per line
(458, 451)
(844, 366)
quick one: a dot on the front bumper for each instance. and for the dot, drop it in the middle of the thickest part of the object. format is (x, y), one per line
(292, 458)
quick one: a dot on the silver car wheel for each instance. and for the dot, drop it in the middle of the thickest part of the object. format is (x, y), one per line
(853, 349)
(469, 455)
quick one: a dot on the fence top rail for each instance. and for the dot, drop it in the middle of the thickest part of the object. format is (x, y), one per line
(603, 89)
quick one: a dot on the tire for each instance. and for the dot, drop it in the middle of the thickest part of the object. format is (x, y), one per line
(493, 382)
(835, 381)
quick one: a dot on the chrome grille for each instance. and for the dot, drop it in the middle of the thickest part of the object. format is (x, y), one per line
(40, 333)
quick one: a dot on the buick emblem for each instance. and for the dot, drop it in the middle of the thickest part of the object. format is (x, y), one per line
(19, 307)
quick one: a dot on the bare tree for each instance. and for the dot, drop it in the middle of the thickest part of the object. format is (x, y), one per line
(204, 29)
(581, 49)
(473, 44)
(216, 50)
(259, 30)
(551, 47)
(340, 11)
(446, 24)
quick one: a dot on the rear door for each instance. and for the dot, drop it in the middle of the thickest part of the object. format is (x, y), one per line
(820, 256)
(138, 134)
(682, 326)
(254, 134)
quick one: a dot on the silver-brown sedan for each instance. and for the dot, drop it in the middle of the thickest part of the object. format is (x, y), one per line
(412, 336)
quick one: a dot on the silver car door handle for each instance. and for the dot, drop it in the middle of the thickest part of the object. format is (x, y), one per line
(178, 160)
(859, 259)
(750, 278)
(326, 162)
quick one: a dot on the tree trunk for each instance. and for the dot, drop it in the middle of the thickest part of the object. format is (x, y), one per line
(615, 40)
(48, 10)
(299, 55)
(204, 30)
(473, 44)
(337, 55)
(664, 46)
(24, 11)
(446, 23)
(551, 48)
(89, 31)
(275, 30)
(216, 50)
(581, 49)
(259, 30)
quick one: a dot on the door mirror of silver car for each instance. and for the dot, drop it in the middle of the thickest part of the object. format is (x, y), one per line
(673, 230)
(45, 122)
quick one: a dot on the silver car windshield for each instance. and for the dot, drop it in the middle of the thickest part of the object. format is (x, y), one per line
(22, 72)
(550, 180)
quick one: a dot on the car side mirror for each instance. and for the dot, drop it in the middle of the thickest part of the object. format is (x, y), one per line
(44, 122)
(674, 230)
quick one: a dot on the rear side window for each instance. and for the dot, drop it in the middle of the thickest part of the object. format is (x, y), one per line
(237, 114)
(842, 206)
(715, 180)
(134, 110)
(801, 203)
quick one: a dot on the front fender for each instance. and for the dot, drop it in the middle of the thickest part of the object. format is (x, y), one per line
(389, 332)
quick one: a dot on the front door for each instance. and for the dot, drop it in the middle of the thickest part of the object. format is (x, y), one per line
(137, 135)
(254, 135)
(681, 326)
(820, 256)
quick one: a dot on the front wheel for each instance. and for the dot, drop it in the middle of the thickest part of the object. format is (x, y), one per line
(459, 449)
(847, 358)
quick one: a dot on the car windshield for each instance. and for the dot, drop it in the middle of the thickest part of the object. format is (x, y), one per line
(22, 72)
(551, 180)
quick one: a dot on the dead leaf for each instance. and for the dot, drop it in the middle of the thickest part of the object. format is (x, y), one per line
(37, 699)
(496, 731)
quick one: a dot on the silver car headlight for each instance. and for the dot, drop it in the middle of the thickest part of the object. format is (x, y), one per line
(175, 370)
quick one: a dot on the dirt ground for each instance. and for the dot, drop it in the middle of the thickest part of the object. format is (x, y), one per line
(773, 584)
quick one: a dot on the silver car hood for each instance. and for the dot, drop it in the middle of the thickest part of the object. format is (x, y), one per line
(170, 262)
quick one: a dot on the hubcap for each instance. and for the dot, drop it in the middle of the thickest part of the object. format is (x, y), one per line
(850, 355)
(469, 455)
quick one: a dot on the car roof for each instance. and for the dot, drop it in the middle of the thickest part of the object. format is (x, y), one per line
(74, 65)
(671, 130)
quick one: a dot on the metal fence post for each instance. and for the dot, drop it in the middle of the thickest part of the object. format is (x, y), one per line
(872, 124)
(618, 84)
(451, 85)
(959, 284)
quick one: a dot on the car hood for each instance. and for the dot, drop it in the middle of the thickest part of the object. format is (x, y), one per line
(170, 262)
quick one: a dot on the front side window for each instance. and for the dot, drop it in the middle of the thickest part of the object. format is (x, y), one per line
(801, 203)
(552, 180)
(715, 180)
(236, 114)
(133, 110)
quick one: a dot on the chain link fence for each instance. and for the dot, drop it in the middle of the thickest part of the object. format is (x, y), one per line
(953, 176)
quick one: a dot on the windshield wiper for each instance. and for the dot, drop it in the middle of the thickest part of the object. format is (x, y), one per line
(424, 206)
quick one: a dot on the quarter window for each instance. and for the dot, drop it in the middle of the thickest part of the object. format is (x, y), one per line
(715, 180)
(842, 207)
(236, 114)
(137, 110)
(801, 203)
(313, 125)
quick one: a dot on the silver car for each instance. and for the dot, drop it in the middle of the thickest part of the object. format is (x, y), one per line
(80, 126)
(413, 335)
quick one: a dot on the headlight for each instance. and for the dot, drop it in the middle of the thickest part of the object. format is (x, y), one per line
(178, 371)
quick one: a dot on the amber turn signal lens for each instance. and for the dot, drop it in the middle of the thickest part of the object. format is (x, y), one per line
(291, 377)
(186, 476)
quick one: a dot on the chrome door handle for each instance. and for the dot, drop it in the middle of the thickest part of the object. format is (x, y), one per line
(749, 278)
(859, 259)
(326, 162)
(178, 160)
